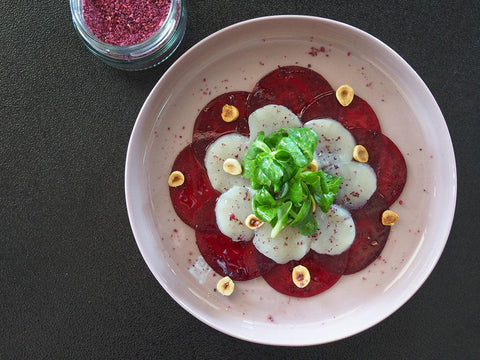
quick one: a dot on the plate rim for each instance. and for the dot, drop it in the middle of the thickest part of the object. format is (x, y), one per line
(145, 108)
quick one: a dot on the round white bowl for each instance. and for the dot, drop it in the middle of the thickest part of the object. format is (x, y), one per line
(235, 58)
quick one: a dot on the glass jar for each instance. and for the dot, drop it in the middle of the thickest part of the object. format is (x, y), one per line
(143, 55)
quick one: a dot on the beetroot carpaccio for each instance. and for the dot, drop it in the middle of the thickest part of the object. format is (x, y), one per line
(308, 96)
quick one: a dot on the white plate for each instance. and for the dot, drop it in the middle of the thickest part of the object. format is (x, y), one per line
(234, 59)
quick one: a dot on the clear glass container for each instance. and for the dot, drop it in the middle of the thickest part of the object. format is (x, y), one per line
(143, 55)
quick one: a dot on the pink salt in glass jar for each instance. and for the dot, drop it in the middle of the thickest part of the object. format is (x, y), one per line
(130, 34)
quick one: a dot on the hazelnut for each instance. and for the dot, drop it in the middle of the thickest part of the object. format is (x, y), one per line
(175, 179)
(225, 286)
(229, 113)
(232, 167)
(360, 153)
(300, 276)
(253, 222)
(313, 166)
(389, 217)
(344, 95)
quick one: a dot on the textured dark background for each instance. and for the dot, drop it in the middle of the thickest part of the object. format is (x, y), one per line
(73, 283)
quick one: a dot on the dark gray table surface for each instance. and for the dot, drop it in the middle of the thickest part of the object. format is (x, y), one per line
(73, 282)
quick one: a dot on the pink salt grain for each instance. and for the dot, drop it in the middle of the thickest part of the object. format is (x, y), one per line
(125, 22)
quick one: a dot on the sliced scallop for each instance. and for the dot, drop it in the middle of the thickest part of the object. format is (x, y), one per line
(359, 182)
(335, 143)
(231, 210)
(233, 146)
(270, 119)
(336, 231)
(288, 245)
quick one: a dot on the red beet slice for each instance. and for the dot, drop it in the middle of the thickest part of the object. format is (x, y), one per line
(335, 264)
(201, 143)
(358, 114)
(291, 86)
(196, 189)
(225, 256)
(279, 276)
(370, 234)
(209, 124)
(386, 160)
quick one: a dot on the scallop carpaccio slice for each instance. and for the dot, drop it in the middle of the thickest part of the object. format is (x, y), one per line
(279, 276)
(291, 86)
(209, 124)
(370, 234)
(196, 189)
(358, 114)
(235, 259)
(386, 160)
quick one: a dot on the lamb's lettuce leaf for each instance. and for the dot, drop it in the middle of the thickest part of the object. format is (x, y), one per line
(276, 167)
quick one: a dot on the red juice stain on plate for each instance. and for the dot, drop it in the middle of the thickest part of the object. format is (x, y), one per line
(125, 22)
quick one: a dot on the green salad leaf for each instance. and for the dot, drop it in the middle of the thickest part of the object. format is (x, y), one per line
(286, 191)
